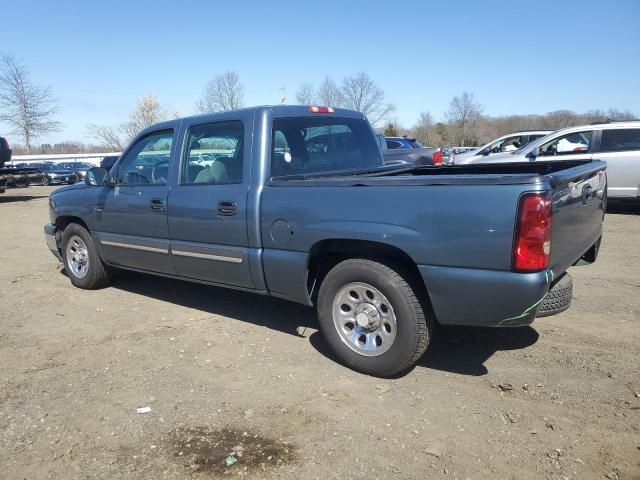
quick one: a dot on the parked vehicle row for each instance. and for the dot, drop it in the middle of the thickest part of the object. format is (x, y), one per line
(617, 143)
(506, 143)
(304, 208)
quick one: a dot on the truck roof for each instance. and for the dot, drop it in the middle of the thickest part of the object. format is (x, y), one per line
(278, 111)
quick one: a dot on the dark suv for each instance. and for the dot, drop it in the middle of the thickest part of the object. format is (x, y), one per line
(5, 152)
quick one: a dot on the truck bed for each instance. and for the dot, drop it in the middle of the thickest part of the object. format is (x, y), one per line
(478, 174)
(456, 223)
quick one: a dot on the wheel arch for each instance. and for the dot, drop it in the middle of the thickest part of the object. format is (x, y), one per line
(325, 254)
(63, 222)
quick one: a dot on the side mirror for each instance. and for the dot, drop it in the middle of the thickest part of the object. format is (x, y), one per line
(97, 176)
(535, 153)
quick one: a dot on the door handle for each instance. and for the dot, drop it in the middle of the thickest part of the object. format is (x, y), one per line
(227, 208)
(157, 205)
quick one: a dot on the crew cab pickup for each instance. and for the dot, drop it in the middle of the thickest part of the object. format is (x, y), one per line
(296, 202)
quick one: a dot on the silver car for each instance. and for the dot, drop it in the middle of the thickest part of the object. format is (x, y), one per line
(617, 143)
(503, 144)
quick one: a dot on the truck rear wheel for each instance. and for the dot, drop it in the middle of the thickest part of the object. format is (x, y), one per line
(372, 317)
(82, 263)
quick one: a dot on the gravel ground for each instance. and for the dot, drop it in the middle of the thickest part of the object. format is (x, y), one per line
(234, 377)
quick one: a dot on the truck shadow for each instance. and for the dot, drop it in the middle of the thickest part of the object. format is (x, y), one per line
(464, 350)
(8, 197)
(248, 307)
(461, 350)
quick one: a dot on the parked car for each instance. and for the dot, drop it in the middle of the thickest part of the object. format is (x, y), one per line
(35, 174)
(383, 252)
(108, 162)
(412, 153)
(79, 168)
(505, 143)
(53, 174)
(402, 142)
(617, 143)
(5, 152)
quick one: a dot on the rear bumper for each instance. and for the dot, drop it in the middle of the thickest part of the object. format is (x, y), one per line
(51, 235)
(484, 298)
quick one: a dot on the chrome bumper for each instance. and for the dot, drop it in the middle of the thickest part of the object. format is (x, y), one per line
(50, 231)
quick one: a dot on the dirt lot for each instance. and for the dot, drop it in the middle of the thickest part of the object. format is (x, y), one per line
(242, 377)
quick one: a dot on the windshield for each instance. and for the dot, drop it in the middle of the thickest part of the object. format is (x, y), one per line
(305, 145)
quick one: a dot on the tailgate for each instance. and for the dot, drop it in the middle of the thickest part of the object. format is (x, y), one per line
(579, 203)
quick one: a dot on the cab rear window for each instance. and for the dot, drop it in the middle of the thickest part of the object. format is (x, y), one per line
(321, 144)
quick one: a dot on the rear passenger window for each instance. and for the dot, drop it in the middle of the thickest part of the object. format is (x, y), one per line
(214, 154)
(620, 140)
(393, 144)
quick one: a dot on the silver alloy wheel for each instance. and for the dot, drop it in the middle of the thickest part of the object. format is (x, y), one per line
(77, 257)
(364, 319)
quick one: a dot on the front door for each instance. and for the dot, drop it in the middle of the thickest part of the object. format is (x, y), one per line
(571, 146)
(208, 206)
(131, 216)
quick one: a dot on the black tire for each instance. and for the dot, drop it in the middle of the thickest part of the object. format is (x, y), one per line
(98, 274)
(414, 323)
(558, 299)
(45, 181)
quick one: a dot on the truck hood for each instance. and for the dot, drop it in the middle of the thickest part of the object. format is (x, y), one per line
(66, 188)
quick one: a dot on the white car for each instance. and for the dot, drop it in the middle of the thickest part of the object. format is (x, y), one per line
(617, 143)
(506, 143)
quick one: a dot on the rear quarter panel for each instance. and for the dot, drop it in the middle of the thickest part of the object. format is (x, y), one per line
(464, 226)
(454, 225)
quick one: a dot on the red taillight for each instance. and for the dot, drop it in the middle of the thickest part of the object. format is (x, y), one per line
(317, 109)
(437, 158)
(532, 245)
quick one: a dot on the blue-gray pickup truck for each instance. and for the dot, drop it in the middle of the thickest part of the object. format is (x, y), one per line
(296, 202)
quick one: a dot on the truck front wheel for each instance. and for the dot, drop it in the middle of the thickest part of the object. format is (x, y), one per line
(372, 317)
(82, 263)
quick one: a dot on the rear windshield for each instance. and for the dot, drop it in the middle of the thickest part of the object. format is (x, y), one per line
(322, 144)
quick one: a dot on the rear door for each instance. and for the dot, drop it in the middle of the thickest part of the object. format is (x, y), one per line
(208, 204)
(131, 217)
(620, 148)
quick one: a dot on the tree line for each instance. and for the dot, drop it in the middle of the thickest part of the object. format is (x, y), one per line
(31, 111)
(465, 125)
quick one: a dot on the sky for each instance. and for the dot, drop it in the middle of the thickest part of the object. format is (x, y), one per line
(516, 57)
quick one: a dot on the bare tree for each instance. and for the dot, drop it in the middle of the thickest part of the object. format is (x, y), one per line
(147, 112)
(108, 136)
(29, 109)
(329, 93)
(361, 93)
(425, 131)
(224, 92)
(305, 94)
(464, 117)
